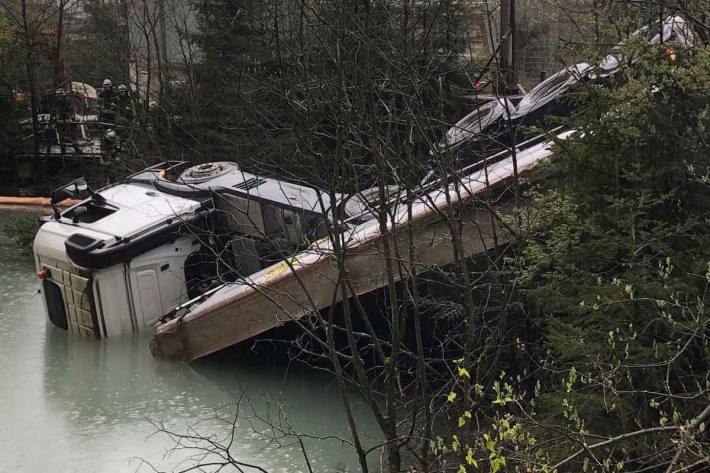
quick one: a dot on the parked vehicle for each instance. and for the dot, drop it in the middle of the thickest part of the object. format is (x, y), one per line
(69, 125)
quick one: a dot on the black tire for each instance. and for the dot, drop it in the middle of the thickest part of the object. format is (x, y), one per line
(546, 98)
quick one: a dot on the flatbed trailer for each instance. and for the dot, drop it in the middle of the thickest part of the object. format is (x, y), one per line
(307, 282)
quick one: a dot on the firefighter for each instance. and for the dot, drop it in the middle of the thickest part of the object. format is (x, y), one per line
(107, 101)
(107, 93)
(124, 103)
(110, 145)
(122, 92)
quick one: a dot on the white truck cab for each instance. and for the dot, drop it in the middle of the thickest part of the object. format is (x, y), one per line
(129, 254)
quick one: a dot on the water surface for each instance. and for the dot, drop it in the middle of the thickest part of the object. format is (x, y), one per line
(69, 404)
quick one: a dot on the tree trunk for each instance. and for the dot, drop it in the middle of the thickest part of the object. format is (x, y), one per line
(34, 99)
(59, 70)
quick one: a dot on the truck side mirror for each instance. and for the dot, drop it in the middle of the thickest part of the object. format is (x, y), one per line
(56, 197)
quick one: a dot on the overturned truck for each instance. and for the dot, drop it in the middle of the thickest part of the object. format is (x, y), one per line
(210, 255)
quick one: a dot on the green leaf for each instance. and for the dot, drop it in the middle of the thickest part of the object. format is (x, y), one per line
(490, 446)
(451, 396)
(629, 290)
(470, 460)
(464, 372)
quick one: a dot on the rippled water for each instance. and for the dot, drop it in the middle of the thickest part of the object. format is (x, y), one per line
(75, 405)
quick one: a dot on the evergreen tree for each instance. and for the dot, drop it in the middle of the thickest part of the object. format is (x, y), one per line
(619, 275)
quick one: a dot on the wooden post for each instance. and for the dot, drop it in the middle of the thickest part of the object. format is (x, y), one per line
(507, 74)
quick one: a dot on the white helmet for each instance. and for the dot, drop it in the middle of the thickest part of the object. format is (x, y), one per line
(110, 135)
(107, 84)
(122, 88)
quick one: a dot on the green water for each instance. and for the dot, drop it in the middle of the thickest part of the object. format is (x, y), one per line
(69, 404)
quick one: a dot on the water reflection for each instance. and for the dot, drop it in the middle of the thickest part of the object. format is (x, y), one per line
(77, 405)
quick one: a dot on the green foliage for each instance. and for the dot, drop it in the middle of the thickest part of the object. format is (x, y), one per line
(22, 229)
(294, 88)
(10, 109)
(102, 48)
(617, 273)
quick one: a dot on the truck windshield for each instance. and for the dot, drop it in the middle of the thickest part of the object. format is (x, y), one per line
(89, 212)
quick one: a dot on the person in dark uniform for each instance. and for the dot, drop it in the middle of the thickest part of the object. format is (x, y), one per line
(107, 94)
(107, 101)
(110, 145)
(124, 103)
